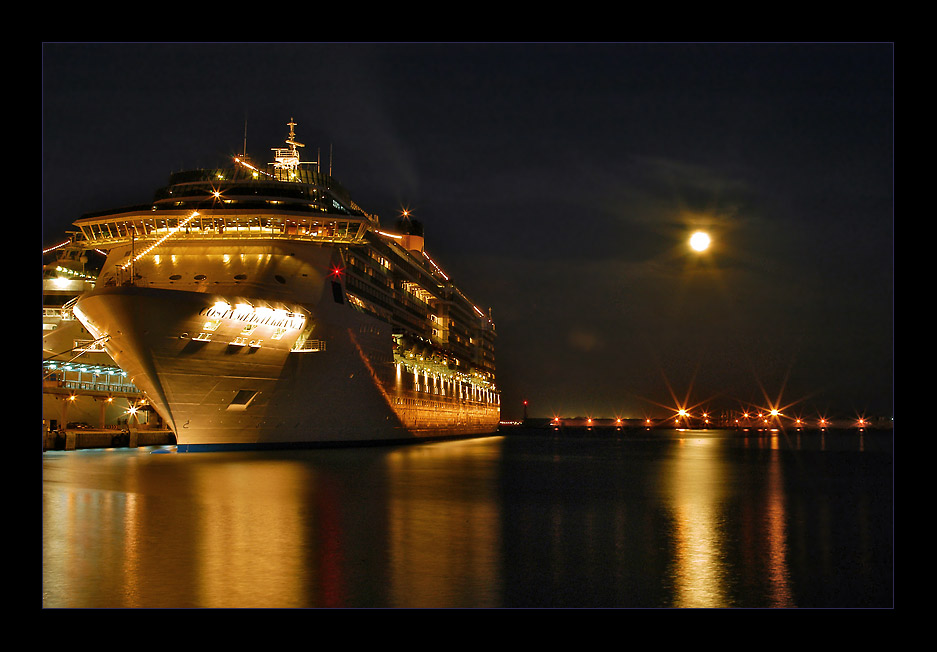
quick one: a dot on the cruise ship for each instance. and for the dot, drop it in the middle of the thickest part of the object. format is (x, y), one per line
(259, 306)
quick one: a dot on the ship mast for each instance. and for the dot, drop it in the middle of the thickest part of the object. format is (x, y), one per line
(287, 158)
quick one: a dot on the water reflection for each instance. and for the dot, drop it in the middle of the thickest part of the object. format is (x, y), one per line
(775, 519)
(673, 519)
(250, 541)
(697, 488)
(444, 525)
(416, 526)
(761, 519)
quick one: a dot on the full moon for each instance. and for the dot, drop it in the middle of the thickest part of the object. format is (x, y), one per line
(699, 241)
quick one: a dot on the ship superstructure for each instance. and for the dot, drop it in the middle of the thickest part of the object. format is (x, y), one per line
(64, 278)
(259, 305)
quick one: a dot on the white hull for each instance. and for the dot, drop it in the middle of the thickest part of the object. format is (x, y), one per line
(213, 393)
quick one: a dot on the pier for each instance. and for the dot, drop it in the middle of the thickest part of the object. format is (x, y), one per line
(95, 406)
(725, 422)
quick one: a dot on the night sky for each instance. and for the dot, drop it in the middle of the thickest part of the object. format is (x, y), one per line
(558, 185)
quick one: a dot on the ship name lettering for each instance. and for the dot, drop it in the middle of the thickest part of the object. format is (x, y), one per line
(252, 317)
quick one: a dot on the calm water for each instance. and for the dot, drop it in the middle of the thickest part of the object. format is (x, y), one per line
(658, 519)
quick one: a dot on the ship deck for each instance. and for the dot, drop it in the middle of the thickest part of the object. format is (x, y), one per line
(142, 225)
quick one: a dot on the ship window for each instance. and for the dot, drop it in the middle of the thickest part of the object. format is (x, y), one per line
(240, 277)
(175, 277)
(200, 277)
(279, 278)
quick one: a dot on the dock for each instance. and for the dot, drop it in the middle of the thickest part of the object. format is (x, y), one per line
(70, 439)
(94, 406)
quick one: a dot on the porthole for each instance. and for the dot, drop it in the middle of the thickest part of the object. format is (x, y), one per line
(200, 277)
(279, 278)
(240, 277)
(175, 277)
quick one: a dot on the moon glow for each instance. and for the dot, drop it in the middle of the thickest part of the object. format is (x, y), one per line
(699, 241)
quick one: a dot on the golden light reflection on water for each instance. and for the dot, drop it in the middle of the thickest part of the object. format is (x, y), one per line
(688, 520)
(415, 526)
(72, 551)
(249, 543)
(700, 490)
(696, 490)
(214, 535)
(444, 540)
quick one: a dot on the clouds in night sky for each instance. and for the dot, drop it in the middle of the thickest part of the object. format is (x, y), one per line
(558, 184)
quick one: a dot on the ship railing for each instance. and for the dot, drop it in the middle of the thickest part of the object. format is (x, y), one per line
(309, 346)
(99, 387)
(112, 230)
(64, 314)
(73, 380)
(77, 375)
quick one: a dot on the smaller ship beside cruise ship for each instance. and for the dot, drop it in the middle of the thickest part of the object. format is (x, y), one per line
(260, 306)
